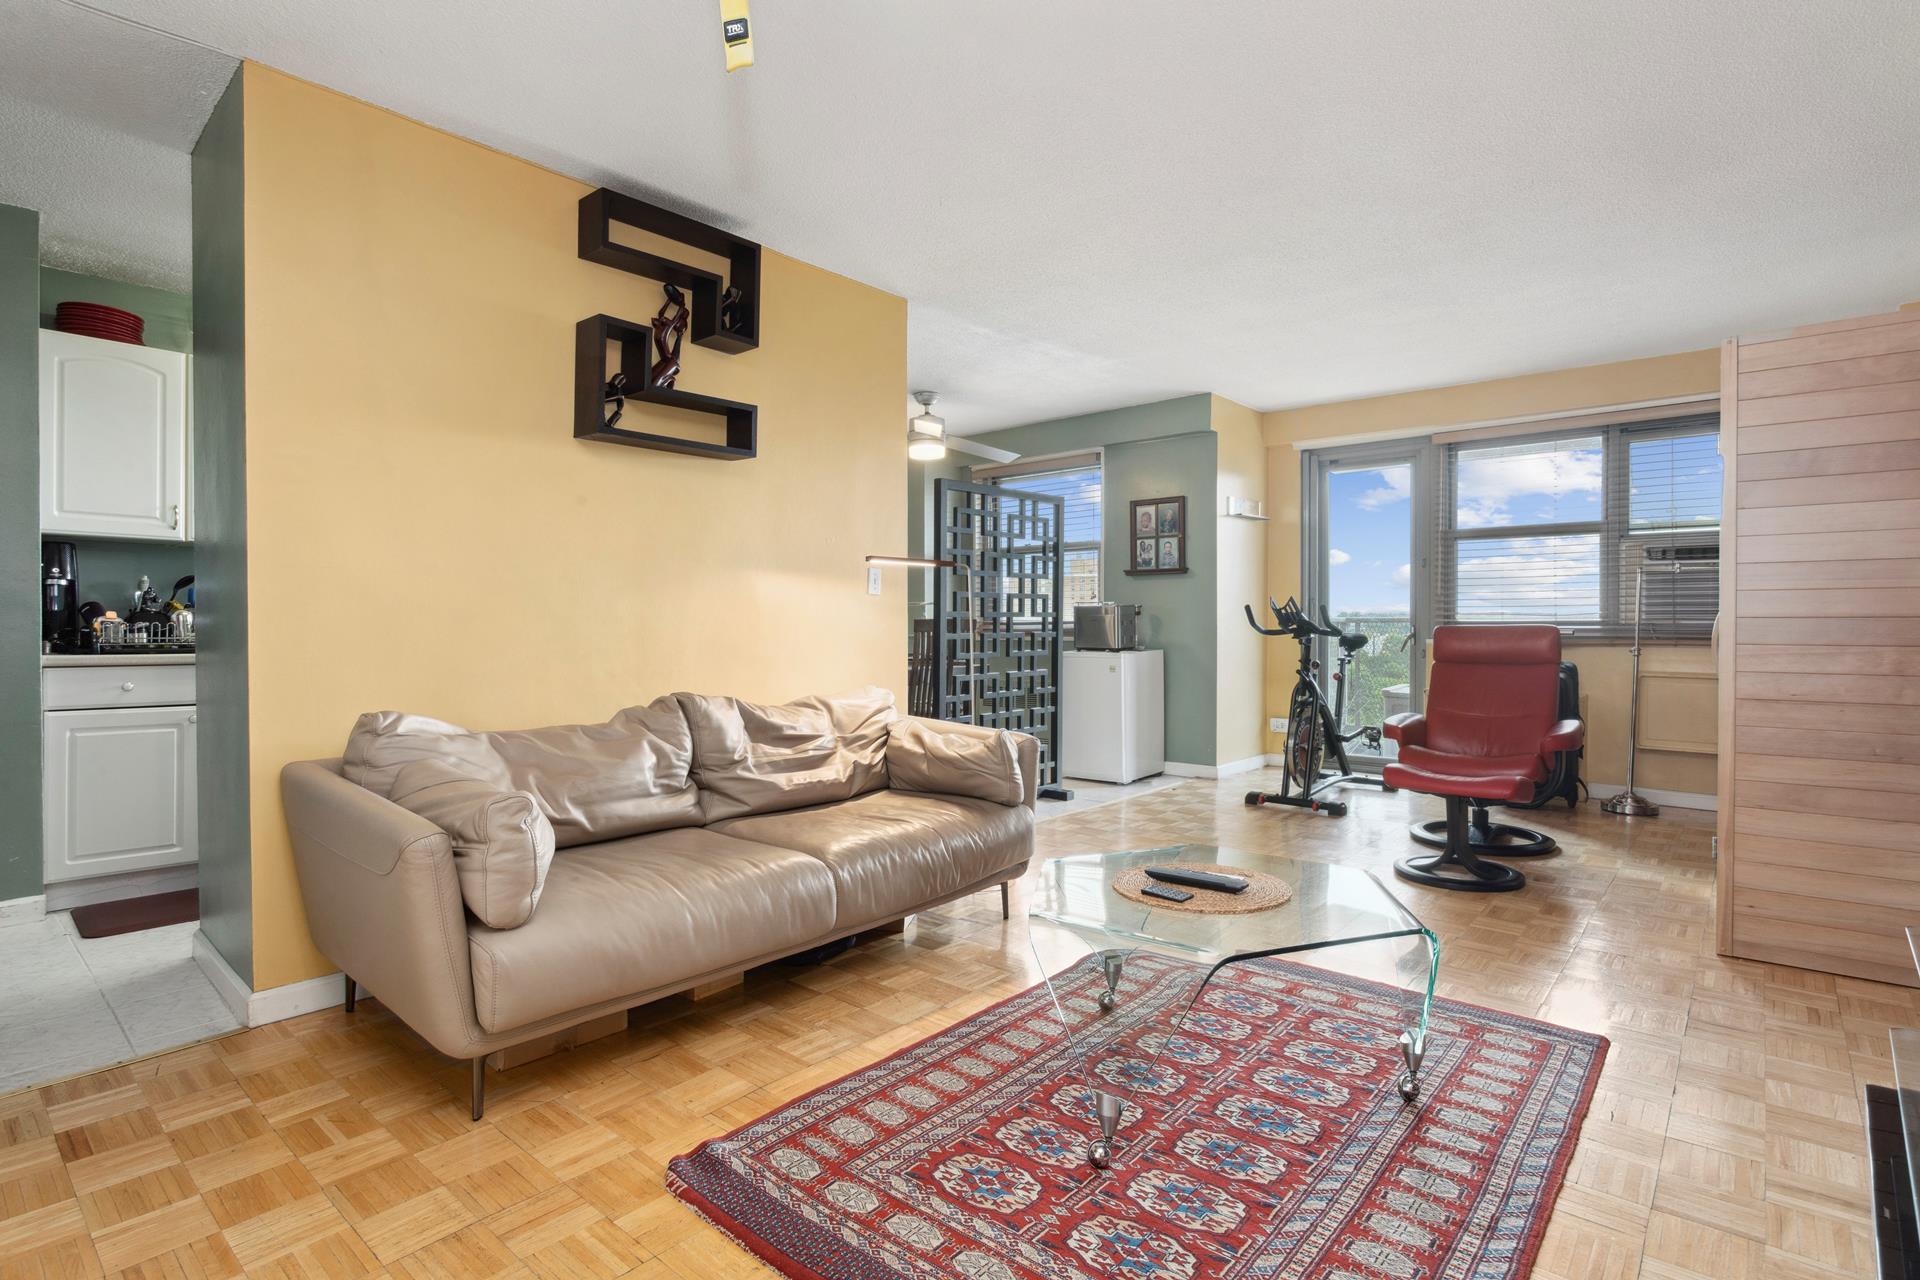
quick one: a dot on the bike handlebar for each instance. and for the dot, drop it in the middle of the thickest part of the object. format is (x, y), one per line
(1293, 621)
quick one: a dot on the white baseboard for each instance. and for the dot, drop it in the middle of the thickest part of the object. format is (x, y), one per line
(232, 989)
(276, 1004)
(23, 910)
(1181, 769)
(65, 895)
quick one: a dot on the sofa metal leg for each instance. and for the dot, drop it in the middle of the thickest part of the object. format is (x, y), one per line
(352, 991)
(479, 1087)
(1006, 900)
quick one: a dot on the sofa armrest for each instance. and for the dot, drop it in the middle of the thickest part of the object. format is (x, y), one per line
(1026, 749)
(1566, 735)
(1409, 729)
(383, 901)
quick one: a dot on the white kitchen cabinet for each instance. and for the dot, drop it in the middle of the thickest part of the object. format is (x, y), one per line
(118, 790)
(113, 438)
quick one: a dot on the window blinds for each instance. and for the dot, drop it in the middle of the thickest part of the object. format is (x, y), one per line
(1078, 487)
(1583, 529)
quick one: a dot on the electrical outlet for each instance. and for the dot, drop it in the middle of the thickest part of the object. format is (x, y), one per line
(873, 580)
(1276, 724)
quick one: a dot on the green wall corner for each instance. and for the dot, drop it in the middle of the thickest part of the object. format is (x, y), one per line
(220, 526)
(20, 854)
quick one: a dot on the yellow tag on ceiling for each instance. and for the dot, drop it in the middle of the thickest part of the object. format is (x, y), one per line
(737, 35)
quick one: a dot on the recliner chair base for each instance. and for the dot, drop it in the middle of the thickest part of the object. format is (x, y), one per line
(1485, 836)
(1456, 866)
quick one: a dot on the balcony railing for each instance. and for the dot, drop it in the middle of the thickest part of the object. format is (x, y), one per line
(1381, 673)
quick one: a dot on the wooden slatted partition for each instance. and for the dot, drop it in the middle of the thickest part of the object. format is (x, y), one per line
(1820, 647)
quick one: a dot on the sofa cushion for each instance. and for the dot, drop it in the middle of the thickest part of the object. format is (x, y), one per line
(593, 782)
(502, 843)
(957, 760)
(753, 758)
(893, 851)
(626, 917)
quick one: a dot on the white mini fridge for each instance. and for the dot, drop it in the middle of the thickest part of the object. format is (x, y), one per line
(1113, 714)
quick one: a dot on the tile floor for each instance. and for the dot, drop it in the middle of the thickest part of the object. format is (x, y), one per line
(1092, 795)
(77, 1004)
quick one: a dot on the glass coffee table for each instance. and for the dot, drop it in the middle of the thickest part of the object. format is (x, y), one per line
(1331, 906)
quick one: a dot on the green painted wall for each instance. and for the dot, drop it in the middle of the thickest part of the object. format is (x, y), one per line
(110, 568)
(20, 860)
(1160, 450)
(220, 528)
(169, 316)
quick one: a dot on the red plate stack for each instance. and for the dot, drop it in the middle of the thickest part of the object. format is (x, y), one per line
(97, 321)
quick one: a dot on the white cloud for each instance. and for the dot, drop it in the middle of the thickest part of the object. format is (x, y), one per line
(1336, 556)
(1398, 487)
(1488, 481)
(1403, 575)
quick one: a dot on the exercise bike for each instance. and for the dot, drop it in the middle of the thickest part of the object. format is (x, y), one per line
(1315, 730)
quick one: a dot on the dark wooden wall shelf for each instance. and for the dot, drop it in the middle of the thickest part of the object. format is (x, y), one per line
(599, 210)
(590, 395)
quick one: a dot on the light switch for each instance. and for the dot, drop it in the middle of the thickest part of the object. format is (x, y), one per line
(873, 580)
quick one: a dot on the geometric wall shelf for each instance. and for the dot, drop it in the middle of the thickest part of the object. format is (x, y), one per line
(590, 394)
(706, 292)
(599, 210)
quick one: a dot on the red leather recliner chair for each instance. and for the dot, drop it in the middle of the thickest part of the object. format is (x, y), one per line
(1491, 734)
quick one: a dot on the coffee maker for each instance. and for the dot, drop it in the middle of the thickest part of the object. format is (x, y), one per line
(60, 627)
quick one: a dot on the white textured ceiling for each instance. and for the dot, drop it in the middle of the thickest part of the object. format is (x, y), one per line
(96, 120)
(1091, 203)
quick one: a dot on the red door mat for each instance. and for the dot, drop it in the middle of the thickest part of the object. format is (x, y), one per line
(131, 915)
(1278, 1146)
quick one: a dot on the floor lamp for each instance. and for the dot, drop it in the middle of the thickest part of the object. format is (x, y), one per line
(1630, 803)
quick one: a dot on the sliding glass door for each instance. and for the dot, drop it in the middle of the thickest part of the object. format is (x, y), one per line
(1366, 564)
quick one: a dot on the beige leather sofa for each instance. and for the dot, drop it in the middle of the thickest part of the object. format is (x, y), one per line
(740, 834)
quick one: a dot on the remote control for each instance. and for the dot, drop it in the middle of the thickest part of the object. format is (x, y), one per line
(1161, 891)
(1197, 879)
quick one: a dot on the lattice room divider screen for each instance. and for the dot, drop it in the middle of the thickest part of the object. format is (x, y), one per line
(997, 620)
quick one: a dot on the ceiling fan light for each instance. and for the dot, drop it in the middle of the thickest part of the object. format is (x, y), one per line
(925, 448)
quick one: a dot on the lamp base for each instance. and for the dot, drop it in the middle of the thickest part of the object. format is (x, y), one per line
(1629, 804)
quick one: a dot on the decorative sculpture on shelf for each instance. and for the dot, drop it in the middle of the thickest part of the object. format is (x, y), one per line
(616, 393)
(669, 328)
(732, 310)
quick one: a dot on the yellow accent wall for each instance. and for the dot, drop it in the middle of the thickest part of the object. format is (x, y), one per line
(424, 534)
(1240, 560)
(1674, 706)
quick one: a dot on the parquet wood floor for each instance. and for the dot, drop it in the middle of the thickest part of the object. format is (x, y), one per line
(1725, 1140)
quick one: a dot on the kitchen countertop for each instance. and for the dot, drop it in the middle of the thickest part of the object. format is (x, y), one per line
(116, 659)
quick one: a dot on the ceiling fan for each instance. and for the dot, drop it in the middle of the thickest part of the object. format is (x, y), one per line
(928, 441)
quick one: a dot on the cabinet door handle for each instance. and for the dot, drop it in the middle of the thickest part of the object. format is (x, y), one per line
(174, 522)
(194, 718)
(127, 687)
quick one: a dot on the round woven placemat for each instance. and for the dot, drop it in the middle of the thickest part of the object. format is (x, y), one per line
(1263, 892)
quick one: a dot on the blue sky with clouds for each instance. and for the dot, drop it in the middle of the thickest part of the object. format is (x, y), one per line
(1370, 539)
(1674, 483)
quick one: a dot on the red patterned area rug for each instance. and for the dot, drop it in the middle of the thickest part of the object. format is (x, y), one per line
(1281, 1149)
